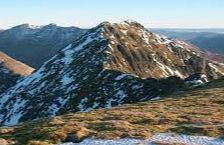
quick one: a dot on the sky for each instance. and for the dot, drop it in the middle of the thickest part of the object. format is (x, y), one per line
(88, 13)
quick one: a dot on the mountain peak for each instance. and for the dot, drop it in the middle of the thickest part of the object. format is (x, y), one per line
(111, 64)
(132, 23)
(28, 43)
(27, 26)
(51, 25)
(104, 23)
(124, 24)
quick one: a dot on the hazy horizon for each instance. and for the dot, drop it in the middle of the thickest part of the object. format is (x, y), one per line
(191, 14)
(164, 28)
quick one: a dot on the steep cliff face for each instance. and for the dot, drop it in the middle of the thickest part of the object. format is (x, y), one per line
(111, 64)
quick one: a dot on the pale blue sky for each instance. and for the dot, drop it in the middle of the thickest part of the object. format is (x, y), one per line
(88, 13)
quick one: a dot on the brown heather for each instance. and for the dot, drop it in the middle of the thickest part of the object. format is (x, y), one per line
(198, 111)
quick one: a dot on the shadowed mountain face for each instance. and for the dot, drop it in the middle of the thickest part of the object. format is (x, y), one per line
(10, 71)
(35, 45)
(111, 64)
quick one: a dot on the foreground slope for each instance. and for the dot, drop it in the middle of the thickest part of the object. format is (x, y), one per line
(111, 64)
(34, 45)
(198, 111)
(10, 71)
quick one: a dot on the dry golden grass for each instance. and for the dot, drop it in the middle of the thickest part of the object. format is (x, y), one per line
(16, 66)
(197, 112)
(38, 143)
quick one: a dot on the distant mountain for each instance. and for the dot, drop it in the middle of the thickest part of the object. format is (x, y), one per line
(208, 40)
(194, 30)
(112, 64)
(10, 71)
(34, 45)
(213, 43)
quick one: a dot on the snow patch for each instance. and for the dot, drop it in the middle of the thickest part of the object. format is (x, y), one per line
(120, 77)
(124, 31)
(126, 141)
(109, 103)
(66, 79)
(68, 55)
(120, 95)
(161, 39)
(156, 98)
(55, 107)
(81, 46)
(167, 70)
(15, 112)
(215, 68)
(162, 138)
(145, 36)
(170, 138)
(138, 86)
(82, 105)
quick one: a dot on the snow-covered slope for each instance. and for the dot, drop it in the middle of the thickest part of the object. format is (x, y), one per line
(10, 71)
(111, 64)
(163, 138)
(34, 45)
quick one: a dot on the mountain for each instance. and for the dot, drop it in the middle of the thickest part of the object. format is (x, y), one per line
(112, 64)
(197, 112)
(34, 45)
(197, 30)
(213, 43)
(11, 71)
(206, 40)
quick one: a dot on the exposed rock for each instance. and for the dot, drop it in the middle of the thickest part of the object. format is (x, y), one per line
(111, 64)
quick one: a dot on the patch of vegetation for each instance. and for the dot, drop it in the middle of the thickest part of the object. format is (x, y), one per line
(196, 112)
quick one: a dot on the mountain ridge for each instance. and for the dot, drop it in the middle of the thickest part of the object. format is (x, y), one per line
(11, 71)
(206, 40)
(112, 64)
(34, 45)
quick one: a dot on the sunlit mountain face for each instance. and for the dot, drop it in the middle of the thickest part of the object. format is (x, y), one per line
(110, 65)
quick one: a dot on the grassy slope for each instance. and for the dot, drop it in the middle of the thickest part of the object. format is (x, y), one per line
(197, 112)
(15, 66)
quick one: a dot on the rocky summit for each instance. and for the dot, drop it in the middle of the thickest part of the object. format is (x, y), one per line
(111, 64)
